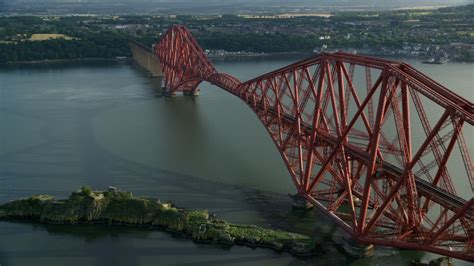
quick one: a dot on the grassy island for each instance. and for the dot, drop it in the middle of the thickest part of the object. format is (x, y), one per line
(120, 207)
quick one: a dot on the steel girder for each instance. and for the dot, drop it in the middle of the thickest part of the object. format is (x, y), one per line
(374, 143)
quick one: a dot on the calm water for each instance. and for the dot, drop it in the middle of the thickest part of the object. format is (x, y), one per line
(66, 125)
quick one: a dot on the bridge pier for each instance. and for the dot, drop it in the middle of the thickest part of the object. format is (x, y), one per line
(169, 93)
(355, 249)
(145, 58)
(191, 93)
(298, 202)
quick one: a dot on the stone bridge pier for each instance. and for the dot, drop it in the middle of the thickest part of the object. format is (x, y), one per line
(144, 56)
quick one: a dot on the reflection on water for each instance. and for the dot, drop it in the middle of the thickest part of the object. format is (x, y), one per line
(85, 232)
(98, 123)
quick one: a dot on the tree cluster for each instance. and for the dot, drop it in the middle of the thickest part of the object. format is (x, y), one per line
(98, 45)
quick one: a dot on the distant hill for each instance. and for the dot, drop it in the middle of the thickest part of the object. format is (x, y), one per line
(386, 3)
(210, 6)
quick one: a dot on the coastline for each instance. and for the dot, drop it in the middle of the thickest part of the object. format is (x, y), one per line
(220, 57)
(56, 61)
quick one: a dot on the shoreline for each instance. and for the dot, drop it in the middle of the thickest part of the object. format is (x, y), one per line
(304, 55)
(56, 61)
(216, 58)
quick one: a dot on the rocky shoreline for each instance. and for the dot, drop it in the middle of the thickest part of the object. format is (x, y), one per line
(122, 208)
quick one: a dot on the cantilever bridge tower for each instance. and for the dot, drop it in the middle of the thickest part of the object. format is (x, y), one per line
(375, 144)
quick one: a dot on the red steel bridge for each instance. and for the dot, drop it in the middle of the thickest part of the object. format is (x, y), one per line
(375, 144)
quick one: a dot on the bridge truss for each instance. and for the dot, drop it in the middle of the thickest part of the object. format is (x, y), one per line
(375, 144)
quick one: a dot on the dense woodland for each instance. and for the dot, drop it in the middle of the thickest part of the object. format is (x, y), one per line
(107, 36)
(99, 45)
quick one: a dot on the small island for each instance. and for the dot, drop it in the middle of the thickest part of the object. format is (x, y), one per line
(117, 207)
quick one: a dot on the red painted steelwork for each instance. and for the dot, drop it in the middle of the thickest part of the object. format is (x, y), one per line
(364, 151)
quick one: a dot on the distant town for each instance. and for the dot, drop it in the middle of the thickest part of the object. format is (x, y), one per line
(435, 35)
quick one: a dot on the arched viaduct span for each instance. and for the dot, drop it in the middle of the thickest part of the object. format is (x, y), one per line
(375, 144)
